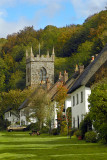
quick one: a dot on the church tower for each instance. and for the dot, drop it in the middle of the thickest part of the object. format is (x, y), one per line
(39, 69)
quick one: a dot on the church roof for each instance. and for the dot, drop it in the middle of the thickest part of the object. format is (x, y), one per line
(90, 70)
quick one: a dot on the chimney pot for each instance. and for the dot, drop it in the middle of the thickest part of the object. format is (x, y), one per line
(60, 76)
(81, 68)
(65, 78)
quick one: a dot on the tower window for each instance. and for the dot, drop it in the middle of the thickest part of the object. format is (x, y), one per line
(73, 122)
(43, 74)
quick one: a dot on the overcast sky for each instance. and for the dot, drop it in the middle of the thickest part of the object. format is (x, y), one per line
(16, 14)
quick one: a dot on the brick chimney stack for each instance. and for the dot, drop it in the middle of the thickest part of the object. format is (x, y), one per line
(81, 68)
(60, 76)
(65, 76)
(76, 68)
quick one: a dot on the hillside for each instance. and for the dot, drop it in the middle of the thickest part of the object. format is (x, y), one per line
(74, 44)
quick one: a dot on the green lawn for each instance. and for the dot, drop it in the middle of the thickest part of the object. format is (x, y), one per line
(20, 145)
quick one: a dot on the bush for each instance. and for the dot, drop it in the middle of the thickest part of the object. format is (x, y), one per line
(78, 133)
(72, 131)
(44, 129)
(64, 128)
(54, 131)
(85, 125)
(91, 136)
(33, 126)
(3, 124)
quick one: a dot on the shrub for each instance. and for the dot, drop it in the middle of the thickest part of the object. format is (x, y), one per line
(44, 129)
(72, 131)
(33, 126)
(54, 131)
(4, 124)
(64, 128)
(78, 133)
(91, 136)
(85, 125)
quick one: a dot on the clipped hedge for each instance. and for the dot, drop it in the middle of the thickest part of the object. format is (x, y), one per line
(91, 136)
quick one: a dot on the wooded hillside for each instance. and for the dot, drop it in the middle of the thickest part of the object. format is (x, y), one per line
(74, 44)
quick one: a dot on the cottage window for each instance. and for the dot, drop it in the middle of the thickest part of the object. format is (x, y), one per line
(73, 122)
(78, 121)
(77, 99)
(81, 97)
(82, 117)
(73, 100)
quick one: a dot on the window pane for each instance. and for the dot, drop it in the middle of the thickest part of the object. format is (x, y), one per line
(81, 97)
(73, 100)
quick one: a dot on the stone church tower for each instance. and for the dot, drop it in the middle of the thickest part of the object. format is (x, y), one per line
(40, 69)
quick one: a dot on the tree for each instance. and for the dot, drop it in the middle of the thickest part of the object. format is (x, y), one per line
(85, 125)
(60, 99)
(98, 107)
(68, 117)
(12, 99)
(40, 107)
(2, 74)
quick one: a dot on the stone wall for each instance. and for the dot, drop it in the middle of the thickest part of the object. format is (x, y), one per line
(35, 64)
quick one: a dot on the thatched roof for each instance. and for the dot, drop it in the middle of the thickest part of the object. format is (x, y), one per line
(90, 70)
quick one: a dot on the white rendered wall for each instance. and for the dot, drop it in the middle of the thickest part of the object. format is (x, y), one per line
(80, 109)
(67, 103)
(55, 115)
(11, 117)
(23, 118)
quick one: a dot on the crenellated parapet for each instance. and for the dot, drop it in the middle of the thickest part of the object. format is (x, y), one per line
(40, 58)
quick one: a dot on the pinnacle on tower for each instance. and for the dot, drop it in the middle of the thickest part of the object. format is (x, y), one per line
(48, 53)
(76, 68)
(53, 53)
(31, 53)
(26, 54)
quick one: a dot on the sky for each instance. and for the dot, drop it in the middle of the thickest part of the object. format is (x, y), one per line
(17, 14)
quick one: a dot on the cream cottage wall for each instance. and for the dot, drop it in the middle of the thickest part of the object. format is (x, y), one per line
(79, 104)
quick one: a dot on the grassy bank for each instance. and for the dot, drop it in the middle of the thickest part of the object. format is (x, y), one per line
(20, 145)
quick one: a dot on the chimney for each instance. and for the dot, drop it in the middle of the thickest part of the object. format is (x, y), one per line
(81, 68)
(65, 76)
(76, 68)
(48, 84)
(92, 59)
(96, 55)
(60, 76)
